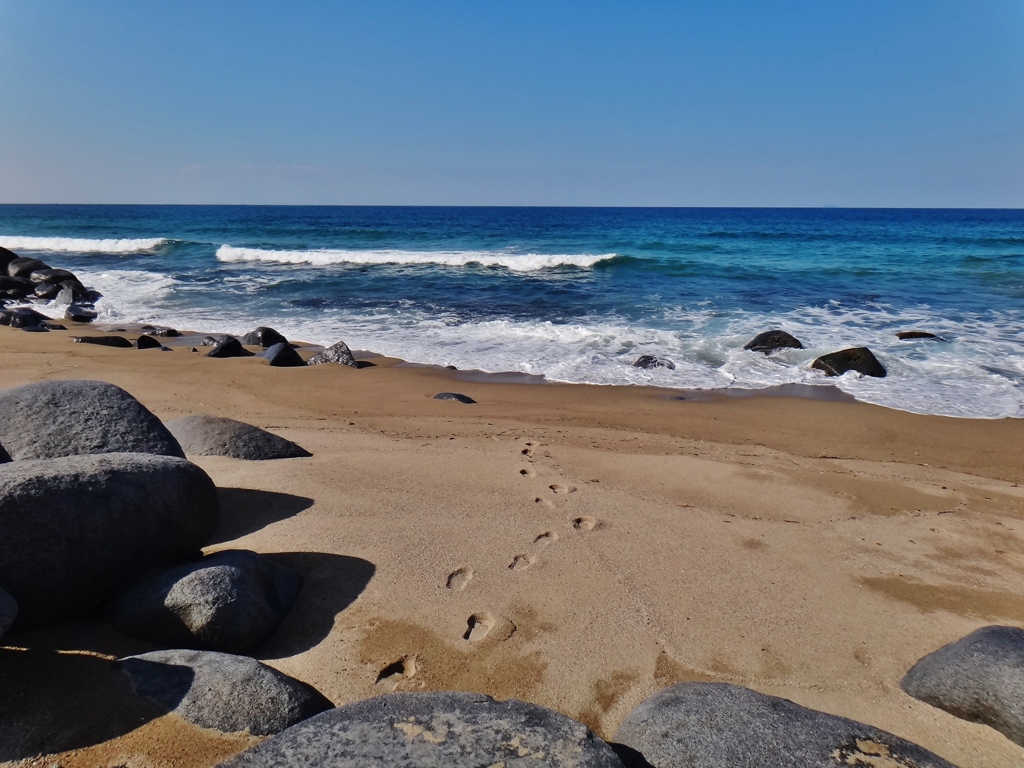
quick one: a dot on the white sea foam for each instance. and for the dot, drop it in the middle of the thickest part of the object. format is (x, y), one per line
(82, 245)
(517, 262)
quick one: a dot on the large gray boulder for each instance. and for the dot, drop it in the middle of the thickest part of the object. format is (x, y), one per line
(718, 725)
(219, 436)
(78, 527)
(338, 354)
(435, 730)
(68, 418)
(229, 601)
(979, 678)
(231, 694)
(8, 611)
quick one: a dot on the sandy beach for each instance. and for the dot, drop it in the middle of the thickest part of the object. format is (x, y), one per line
(575, 546)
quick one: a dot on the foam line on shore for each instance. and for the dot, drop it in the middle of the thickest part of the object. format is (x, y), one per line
(83, 244)
(516, 262)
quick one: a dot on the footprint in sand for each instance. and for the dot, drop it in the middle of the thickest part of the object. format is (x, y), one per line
(545, 538)
(560, 489)
(528, 472)
(527, 452)
(544, 503)
(395, 672)
(584, 523)
(477, 627)
(522, 562)
(458, 580)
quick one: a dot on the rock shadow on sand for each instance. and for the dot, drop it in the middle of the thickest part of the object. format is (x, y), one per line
(331, 583)
(245, 510)
(53, 701)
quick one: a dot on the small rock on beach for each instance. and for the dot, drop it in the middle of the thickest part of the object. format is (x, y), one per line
(458, 397)
(338, 353)
(104, 341)
(201, 435)
(282, 356)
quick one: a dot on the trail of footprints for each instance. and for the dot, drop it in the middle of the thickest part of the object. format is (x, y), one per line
(479, 625)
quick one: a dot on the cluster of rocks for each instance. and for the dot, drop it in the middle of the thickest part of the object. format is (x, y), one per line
(858, 359)
(99, 508)
(25, 280)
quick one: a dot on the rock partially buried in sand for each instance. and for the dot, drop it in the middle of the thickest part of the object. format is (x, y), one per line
(979, 678)
(8, 611)
(229, 347)
(50, 419)
(22, 317)
(417, 730)
(230, 694)
(719, 725)
(651, 361)
(104, 341)
(148, 342)
(772, 340)
(911, 335)
(229, 601)
(338, 353)
(76, 528)
(263, 337)
(455, 396)
(859, 359)
(218, 436)
(282, 356)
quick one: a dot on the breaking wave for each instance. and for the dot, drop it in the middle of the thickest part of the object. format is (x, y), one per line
(83, 245)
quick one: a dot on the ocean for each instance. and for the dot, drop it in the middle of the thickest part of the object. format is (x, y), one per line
(577, 294)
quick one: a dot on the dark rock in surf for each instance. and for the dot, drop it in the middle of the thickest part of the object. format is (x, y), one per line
(282, 356)
(213, 341)
(6, 257)
(651, 361)
(76, 528)
(222, 692)
(46, 291)
(978, 678)
(430, 729)
(858, 359)
(50, 419)
(912, 335)
(167, 333)
(104, 341)
(772, 340)
(263, 337)
(218, 436)
(455, 396)
(229, 601)
(22, 317)
(22, 267)
(52, 276)
(79, 314)
(338, 354)
(720, 725)
(230, 347)
(148, 342)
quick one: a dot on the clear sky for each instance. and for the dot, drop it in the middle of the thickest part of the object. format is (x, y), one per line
(493, 102)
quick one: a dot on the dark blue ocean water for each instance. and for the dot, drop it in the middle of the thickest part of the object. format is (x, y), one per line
(578, 293)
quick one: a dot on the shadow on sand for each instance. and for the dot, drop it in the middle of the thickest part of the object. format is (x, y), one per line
(244, 511)
(330, 584)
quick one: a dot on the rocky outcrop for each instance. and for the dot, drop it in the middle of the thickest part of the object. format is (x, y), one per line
(771, 340)
(218, 436)
(282, 356)
(78, 527)
(23, 267)
(458, 397)
(263, 337)
(8, 611)
(455, 730)
(229, 601)
(230, 694)
(104, 341)
(858, 359)
(719, 725)
(338, 354)
(651, 361)
(66, 418)
(979, 678)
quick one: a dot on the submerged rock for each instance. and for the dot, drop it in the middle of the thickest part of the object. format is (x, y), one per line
(263, 337)
(859, 359)
(651, 361)
(429, 730)
(104, 341)
(455, 396)
(282, 356)
(979, 678)
(218, 436)
(76, 528)
(719, 725)
(50, 419)
(229, 601)
(338, 353)
(230, 694)
(772, 340)
(911, 335)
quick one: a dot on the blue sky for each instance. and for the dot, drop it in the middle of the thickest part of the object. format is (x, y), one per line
(824, 102)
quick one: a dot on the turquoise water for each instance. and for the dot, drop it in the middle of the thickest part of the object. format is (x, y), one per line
(577, 294)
